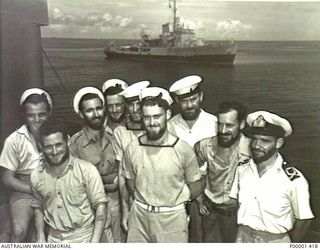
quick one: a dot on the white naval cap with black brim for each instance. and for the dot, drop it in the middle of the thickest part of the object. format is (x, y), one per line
(267, 123)
(132, 92)
(83, 91)
(114, 83)
(186, 86)
(35, 91)
(156, 92)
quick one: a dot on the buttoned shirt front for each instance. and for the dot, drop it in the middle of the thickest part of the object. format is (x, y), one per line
(20, 153)
(204, 127)
(271, 202)
(220, 173)
(123, 137)
(68, 200)
(161, 173)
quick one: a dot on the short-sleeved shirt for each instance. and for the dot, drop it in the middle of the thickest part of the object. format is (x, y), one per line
(161, 173)
(68, 200)
(20, 153)
(220, 173)
(271, 202)
(204, 127)
(123, 137)
(101, 154)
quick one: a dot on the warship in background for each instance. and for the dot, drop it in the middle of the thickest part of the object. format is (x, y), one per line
(178, 45)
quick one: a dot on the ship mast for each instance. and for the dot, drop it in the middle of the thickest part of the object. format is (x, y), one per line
(174, 14)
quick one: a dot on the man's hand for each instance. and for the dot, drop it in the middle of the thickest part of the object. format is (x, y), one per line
(202, 207)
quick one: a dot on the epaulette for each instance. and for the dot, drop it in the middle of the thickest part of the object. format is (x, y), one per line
(290, 171)
(243, 162)
(76, 136)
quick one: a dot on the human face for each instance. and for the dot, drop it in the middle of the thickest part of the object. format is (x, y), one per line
(155, 121)
(115, 108)
(134, 109)
(92, 112)
(228, 128)
(55, 149)
(35, 115)
(190, 106)
(263, 147)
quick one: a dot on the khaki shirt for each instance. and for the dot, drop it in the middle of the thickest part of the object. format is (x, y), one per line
(161, 173)
(20, 152)
(68, 200)
(220, 173)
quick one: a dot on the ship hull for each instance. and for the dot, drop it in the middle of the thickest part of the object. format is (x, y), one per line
(202, 54)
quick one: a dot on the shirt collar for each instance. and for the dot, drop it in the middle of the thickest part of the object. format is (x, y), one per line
(23, 130)
(89, 138)
(184, 123)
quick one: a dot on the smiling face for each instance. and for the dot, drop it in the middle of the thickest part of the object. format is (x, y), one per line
(93, 113)
(55, 148)
(155, 121)
(134, 110)
(35, 115)
(115, 108)
(190, 106)
(229, 128)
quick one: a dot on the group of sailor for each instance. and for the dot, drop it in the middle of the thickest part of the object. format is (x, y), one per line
(136, 173)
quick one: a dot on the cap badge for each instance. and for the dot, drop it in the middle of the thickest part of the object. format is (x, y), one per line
(259, 122)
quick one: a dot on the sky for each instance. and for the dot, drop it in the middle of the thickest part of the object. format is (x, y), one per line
(211, 20)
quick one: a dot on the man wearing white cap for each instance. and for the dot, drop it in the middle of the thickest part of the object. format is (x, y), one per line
(222, 153)
(21, 154)
(115, 103)
(192, 124)
(94, 144)
(162, 174)
(124, 135)
(273, 196)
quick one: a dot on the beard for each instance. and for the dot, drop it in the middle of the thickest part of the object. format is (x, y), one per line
(57, 162)
(227, 143)
(95, 123)
(260, 156)
(155, 135)
(190, 114)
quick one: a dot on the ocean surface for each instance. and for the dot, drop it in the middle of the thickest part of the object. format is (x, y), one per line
(281, 77)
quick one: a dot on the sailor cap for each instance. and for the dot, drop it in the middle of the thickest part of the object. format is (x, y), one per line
(36, 91)
(186, 85)
(134, 89)
(113, 83)
(267, 123)
(86, 90)
(156, 92)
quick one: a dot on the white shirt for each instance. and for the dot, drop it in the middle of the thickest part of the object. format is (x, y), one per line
(204, 127)
(271, 202)
(20, 153)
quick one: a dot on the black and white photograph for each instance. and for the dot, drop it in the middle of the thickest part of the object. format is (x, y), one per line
(159, 121)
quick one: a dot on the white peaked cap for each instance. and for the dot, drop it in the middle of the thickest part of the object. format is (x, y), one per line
(86, 90)
(112, 83)
(185, 85)
(36, 91)
(134, 89)
(154, 92)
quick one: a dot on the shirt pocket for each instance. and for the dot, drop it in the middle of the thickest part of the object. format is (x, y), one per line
(76, 195)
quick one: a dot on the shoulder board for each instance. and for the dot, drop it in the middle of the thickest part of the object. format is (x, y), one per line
(290, 171)
(76, 136)
(243, 162)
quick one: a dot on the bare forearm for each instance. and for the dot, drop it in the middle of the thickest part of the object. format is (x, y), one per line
(196, 188)
(39, 225)
(100, 221)
(14, 184)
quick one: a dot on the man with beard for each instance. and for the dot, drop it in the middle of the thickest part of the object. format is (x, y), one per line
(222, 153)
(273, 196)
(192, 124)
(162, 174)
(21, 154)
(68, 193)
(115, 103)
(124, 135)
(94, 144)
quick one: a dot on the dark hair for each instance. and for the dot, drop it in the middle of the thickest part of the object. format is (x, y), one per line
(87, 97)
(152, 101)
(113, 90)
(36, 99)
(53, 126)
(233, 105)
